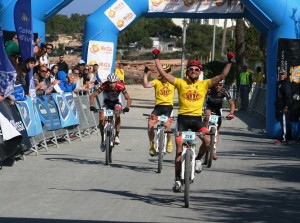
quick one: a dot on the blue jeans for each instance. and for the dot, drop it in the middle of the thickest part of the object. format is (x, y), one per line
(244, 96)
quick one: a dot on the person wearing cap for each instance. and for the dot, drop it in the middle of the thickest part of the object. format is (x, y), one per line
(191, 95)
(80, 66)
(164, 100)
(119, 71)
(244, 86)
(214, 104)
(283, 103)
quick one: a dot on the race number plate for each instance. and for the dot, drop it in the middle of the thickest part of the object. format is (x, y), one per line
(213, 119)
(108, 112)
(163, 118)
(188, 136)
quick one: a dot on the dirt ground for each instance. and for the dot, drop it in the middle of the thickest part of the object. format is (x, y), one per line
(133, 69)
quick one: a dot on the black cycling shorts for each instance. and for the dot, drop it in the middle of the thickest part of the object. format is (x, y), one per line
(163, 110)
(186, 122)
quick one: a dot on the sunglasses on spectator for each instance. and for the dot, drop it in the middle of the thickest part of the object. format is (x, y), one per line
(43, 71)
(195, 69)
(282, 74)
(220, 85)
(49, 48)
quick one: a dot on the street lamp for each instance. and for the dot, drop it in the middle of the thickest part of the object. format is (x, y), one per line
(184, 22)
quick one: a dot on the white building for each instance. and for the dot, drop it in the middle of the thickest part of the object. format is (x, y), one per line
(218, 22)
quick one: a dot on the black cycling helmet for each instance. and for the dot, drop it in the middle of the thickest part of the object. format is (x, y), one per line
(167, 67)
(112, 78)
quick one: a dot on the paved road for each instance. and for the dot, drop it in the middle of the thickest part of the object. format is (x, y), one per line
(253, 181)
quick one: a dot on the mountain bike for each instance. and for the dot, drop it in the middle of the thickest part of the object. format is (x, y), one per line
(109, 133)
(160, 139)
(188, 157)
(213, 129)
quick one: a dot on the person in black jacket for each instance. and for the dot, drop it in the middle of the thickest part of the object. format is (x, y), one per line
(283, 104)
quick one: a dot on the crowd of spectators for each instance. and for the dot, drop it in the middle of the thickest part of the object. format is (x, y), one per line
(49, 77)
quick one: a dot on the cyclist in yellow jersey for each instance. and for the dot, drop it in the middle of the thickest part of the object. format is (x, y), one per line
(164, 95)
(191, 94)
(119, 71)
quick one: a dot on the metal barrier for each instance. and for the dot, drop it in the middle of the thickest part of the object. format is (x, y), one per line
(87, 126)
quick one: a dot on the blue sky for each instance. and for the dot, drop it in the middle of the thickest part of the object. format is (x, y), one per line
(82, 7)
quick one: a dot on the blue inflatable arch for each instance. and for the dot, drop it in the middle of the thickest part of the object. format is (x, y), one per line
(272, 18)
(41, 12)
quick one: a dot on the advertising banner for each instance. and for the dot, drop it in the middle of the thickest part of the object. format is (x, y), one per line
(288, 58)
(7, 71)
(10, 138)
(196, 6)
(30, 117)
(101, 53)
(23, 25)
(48, 112)
(120, 14)
(66, 112)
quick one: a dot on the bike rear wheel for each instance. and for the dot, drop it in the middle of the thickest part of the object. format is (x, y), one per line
(212, 147)
(187, 177)
(161, 142)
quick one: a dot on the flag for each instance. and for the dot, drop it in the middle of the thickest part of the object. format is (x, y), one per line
(23, 25)
(7, 71)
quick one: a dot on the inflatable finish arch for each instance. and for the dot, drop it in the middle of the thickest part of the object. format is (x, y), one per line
(41, 12)
(273, 18)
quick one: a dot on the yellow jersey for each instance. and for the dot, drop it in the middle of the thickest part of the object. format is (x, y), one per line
(120, 73)
(164, 92)
(191, 95)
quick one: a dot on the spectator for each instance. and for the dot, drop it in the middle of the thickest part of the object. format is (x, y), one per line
(258, 77)
(62, 65)
(54, 70)
(69, 85)
(96, 67)
(25, 68)
(81, 88)
(283, 103)
(119, 71)
(80, 66)
(40, 82)
(245, 83)
(12, 46)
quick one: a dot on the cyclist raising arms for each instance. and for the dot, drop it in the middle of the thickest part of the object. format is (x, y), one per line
(111, 90)
(164, 95)
(191, 94)
(214, 103)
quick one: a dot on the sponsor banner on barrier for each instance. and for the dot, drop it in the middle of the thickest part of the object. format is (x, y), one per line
(120, 14)
(30, 117)
(101, 53)
(48, 112)
(66, 112)
(14, 117)
(196, 6)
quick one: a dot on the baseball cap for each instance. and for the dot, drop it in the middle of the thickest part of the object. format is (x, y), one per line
(81, 62)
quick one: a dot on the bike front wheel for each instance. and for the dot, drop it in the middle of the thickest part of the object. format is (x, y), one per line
(212, 147)
(187, 177)
(108, 148)
(161, 143)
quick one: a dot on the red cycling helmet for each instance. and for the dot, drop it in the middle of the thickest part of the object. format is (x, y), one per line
(195, 63)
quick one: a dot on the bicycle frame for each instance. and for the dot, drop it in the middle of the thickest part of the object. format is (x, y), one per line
(161, 128)
(109, 133)
(188, 145)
